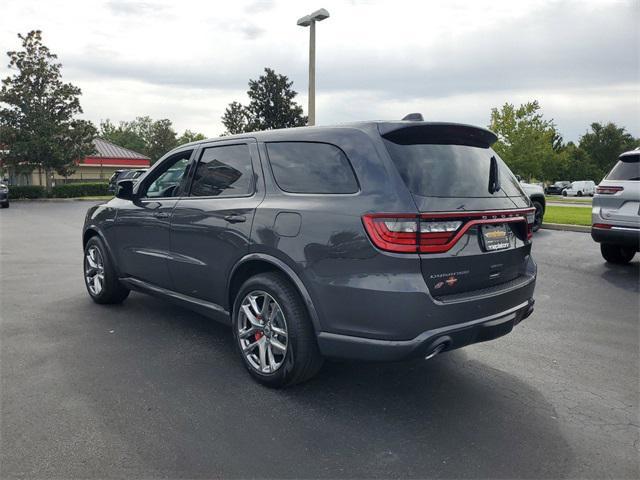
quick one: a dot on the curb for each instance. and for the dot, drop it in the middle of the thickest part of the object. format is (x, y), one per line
(567, 228)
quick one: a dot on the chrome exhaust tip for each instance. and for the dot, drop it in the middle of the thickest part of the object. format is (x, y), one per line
(435, 351)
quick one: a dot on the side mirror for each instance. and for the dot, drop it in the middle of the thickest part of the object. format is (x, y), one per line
(124, 190)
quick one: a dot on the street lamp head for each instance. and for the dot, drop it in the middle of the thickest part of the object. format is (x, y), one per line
(319, 15)
(305, 21)
(316, 16)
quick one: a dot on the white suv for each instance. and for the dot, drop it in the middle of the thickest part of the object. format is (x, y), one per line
(616, 210)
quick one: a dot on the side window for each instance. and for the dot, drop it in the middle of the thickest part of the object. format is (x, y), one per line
(305, 167)
(224, 171)
(166, 180)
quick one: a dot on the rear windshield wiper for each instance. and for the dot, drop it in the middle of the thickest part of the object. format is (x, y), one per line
(494, 176)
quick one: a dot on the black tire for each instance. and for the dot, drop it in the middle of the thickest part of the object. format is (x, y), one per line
(5, 205)
(564, 193)
(616, 253)
(112, 290)
(579, 193)
(537, 223)
(302, 359)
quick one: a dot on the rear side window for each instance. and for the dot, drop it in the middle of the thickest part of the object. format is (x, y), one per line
(223, 172)
(627, 168)
(305, 167)
(445, 170)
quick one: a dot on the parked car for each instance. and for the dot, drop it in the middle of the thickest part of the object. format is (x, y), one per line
(123, 175)
(580, 188)
(371, 241)
(616, 210)
(4, 195)
(536, 195)
(557, 187)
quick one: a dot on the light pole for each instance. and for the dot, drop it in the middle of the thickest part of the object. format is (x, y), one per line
(310, 21)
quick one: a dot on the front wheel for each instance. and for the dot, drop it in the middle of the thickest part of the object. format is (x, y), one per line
(100, 276)
(616, 253)
(5, 205)
(273, 332)
(564, 193)
(579, 194)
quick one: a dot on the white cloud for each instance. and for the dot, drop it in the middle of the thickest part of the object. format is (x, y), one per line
(452, 60)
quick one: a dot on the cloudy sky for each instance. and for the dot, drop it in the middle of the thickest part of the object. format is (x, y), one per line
(450, 60)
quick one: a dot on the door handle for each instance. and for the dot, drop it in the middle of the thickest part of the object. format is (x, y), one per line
(161, 214)
(235, 218)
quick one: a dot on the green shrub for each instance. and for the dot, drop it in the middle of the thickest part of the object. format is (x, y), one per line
(71, 190)
(26, 191)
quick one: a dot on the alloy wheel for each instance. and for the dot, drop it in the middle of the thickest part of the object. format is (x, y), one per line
(94, 270)
(262, 332)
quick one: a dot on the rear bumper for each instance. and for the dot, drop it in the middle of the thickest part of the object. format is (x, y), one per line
(624, 236)
(454, 336)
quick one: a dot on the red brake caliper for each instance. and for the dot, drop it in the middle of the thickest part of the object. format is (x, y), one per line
(259, 335)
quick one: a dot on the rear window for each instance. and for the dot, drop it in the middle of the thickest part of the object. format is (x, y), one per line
(305, 167)
(627, 168)
(437, 170)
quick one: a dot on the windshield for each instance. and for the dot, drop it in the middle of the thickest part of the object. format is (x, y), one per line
(435, 170)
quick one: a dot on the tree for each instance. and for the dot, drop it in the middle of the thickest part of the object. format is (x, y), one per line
(152, 138)
(235, 119)
(526, 141)
(271, 105)
(123, 135)
(162, 138)
(189, 136)
(37, 124)
(603, 144)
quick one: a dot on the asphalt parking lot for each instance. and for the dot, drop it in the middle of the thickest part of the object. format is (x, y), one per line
(150, 390)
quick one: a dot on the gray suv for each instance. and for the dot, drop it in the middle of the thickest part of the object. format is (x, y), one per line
(616, 210)
(371, 241)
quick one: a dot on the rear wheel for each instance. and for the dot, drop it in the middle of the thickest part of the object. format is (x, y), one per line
(616, 253)
(5, 205)
(564, 193)
(537, 222)
(273, 332)
(100, 276)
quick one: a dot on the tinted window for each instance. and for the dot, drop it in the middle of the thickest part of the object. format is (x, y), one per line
(304, 167)
(223, 172)
(627, 168)
(166, 180)
(432, 170)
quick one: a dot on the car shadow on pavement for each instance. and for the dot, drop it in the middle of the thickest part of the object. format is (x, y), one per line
(169, 386)
(626, 277)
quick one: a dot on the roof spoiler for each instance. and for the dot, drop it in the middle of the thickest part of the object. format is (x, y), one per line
(439, 133)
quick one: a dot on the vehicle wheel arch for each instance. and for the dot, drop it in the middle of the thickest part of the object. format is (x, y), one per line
(541, 200)
(91, 232)
(256, 263)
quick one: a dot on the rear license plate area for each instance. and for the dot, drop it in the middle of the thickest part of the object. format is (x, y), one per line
(495, 237)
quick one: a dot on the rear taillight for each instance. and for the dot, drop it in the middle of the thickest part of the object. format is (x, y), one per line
(434, 233)
(602, 225)
(394, 234)
(609, 190)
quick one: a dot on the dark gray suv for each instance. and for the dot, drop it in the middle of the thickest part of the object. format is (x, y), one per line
(371, 241)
